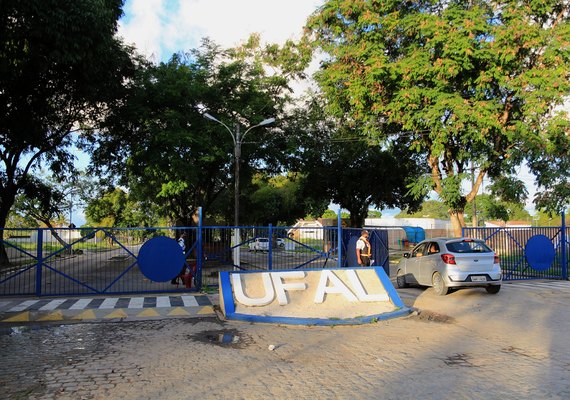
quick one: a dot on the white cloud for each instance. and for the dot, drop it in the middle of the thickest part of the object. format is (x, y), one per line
(162, 27)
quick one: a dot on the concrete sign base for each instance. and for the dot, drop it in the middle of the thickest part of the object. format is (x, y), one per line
(338, 296)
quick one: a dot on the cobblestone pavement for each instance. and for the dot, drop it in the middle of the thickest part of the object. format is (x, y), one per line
(467, 345)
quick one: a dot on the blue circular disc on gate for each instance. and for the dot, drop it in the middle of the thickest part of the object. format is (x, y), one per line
(539, 252)
(160, 259)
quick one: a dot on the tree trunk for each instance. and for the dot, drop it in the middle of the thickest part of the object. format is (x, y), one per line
(56, 236)
(5, 205)
(357, 217)
(4, 260)
(457, 222)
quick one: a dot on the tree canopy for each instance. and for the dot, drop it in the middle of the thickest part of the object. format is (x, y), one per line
(61, 68)
(163, 149)
(341, 164)
(471, 83)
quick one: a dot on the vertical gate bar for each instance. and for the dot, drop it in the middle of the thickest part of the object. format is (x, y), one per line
(39, 259)
(198, 277)
(270, 248)
(339, 238)
(564, 244)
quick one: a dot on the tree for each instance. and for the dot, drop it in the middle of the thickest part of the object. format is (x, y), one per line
(489, 207)
(163, 149)
(61, 67)
(276, 200)
(343, 166)
(469, 82)
(329, 214)
(428, 209)
(374, 214)
(115, 208)
(42, 201)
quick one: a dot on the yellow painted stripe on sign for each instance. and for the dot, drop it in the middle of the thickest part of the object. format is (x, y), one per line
(116, 314)
(22, 317)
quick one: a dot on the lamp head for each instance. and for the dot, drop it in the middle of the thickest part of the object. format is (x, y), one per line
(267, 121)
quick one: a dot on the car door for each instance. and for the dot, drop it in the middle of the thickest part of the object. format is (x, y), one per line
(413, 263)
(429, 263)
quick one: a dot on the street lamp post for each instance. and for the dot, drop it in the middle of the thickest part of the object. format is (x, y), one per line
(237, 140)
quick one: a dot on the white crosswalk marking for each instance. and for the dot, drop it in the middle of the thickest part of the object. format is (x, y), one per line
(189, 301)
(23, 306)
(109, 303)
(80, 304)
(52, 305)
(162, 301)
(136, 302)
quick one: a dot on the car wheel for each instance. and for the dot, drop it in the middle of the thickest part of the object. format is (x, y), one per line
(439, 285)
(494, 289)
(401, 280)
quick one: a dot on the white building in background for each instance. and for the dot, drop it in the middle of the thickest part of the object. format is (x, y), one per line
(508, 224)
(307, 230)
(425, 223)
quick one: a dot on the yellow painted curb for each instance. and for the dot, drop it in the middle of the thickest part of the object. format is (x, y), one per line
(52, 316)
(116, 314)
(22, 317)
(206, 310)
(88, 314)
(178, 311)
(149, 312)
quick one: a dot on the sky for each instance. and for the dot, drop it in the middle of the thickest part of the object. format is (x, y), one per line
(160, 28)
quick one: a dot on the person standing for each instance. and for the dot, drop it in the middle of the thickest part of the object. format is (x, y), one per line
(363, 250)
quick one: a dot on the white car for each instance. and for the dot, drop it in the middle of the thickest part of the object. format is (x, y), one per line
(446, 263)
(262, 244)
(259, 244)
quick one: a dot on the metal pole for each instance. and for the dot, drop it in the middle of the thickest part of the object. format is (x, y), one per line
(237, 240)
(237, 153)
(563, 250)
(40, 261)
(339, 238)
(199, 251)
(270, 249)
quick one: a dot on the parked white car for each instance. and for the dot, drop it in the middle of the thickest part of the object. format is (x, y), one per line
(262, 244)
(259, 244)
(446, 263)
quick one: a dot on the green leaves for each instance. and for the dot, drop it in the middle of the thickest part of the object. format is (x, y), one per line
(470, 82)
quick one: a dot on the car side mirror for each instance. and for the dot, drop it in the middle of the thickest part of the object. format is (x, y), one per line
(406, 255)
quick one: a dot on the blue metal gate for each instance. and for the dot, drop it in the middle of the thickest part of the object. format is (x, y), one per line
(87, 261)
(510, 244)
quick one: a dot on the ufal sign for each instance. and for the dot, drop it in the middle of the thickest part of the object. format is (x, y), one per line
(276, 284)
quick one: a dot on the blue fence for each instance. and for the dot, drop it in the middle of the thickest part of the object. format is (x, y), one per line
(511, 245)
(87, 261)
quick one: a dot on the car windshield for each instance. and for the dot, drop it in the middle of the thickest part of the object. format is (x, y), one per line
(263, 240)
(468, 246)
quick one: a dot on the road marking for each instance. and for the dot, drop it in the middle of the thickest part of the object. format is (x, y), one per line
(162, 301)
(80, 304)
(562, 286)
(109, 303)
(136, 302)
(52, 305)
(189, 301)
(23, 306)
